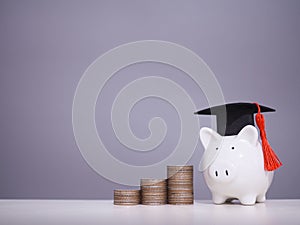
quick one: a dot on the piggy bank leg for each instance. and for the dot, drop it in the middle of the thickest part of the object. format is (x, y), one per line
(218, 199)
(261, 198)
(248, 199)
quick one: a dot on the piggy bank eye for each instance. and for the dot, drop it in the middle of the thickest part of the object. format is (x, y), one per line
(217, 148)
(232, 148)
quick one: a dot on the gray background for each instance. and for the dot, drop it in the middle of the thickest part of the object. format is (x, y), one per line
(45, 46)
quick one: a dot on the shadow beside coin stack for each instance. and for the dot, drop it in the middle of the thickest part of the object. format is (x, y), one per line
(176, 190)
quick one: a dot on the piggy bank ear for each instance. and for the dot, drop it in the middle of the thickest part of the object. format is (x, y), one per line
(207, 135)
(248, 133)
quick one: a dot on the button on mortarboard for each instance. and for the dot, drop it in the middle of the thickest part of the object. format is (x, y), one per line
(232, 117)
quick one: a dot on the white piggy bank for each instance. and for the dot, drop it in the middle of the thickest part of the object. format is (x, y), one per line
(233, 166)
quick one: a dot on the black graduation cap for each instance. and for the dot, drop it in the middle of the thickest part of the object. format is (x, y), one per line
(233, 117)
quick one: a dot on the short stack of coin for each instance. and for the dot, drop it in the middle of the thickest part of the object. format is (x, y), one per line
(126, 197)
(153, 191)
(180, 185)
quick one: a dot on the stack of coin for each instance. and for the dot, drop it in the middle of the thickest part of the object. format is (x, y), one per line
(126, 197)
(153, 191)
(180, 185)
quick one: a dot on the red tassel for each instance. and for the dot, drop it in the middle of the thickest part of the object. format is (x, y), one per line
(271, 161)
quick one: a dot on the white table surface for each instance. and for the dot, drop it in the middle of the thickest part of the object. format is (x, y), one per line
(44, 212)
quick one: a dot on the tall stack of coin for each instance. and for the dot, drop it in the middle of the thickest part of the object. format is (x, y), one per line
(126, 197)
(153, 191)
(180, 185)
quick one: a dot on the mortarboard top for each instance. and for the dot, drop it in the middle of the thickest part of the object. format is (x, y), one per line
(233, 117)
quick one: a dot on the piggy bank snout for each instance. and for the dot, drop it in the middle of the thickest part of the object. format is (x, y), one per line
(222, 171)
